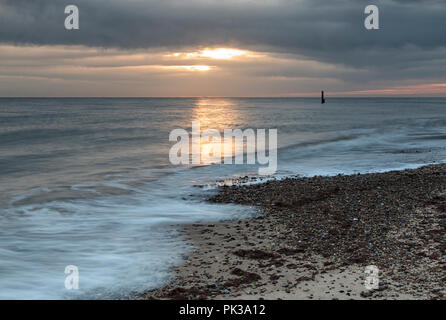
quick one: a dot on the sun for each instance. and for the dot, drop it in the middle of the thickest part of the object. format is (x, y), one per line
(222, 53)
(212, 53)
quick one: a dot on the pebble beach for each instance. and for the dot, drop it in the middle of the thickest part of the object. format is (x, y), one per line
(314, 237)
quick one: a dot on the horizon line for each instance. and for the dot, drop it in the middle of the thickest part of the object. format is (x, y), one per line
(215, 97)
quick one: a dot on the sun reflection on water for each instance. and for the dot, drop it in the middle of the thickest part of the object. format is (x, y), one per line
(216, 114)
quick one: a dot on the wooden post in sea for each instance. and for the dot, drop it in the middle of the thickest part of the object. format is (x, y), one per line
(322, 97)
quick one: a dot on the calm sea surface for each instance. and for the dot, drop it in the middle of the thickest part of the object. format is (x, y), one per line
(87, 182)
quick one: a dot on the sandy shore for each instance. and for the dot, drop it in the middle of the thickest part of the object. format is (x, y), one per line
(314, 238)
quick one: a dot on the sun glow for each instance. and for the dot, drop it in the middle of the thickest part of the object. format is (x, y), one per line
(217, 54)
(197, 68)
(222, 53)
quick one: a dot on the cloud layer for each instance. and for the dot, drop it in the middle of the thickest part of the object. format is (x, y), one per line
(410, 47)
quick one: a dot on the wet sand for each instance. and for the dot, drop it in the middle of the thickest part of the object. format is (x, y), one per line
(314, 237)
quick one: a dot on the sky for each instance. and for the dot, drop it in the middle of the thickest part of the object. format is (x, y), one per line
(233, 48)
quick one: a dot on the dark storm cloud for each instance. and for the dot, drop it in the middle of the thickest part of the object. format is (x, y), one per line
(326, 29)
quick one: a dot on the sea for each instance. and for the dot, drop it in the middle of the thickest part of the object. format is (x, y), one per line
(87, 182)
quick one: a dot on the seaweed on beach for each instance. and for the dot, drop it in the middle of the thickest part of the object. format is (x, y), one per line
(389, 219)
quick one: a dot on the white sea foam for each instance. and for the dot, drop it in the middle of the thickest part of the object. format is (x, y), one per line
(119, 243)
